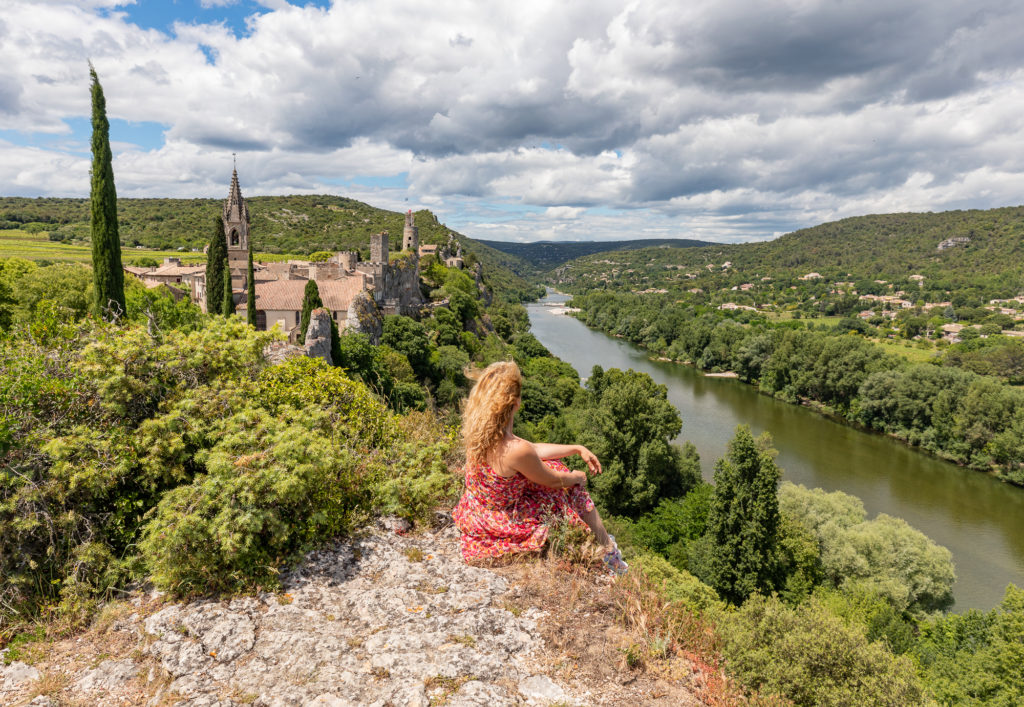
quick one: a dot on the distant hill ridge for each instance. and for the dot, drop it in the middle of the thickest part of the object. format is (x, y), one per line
(961, 244)
(550, 254)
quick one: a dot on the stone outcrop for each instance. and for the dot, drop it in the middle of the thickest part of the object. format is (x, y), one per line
(364, 317)
(386, 618)
(108, 675)
(485, 294)
(278, 352)
(318, 335)
(16, 674)
(376, 621)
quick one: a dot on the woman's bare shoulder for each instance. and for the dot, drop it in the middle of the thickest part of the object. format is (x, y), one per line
(513, 452)
(518, 446)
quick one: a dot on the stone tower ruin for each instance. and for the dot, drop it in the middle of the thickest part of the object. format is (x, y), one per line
(410, 234)
(379, 247)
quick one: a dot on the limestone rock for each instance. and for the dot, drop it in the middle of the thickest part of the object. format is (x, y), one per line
(328, 700)
(367, 621)
(394, 524)
(318, 335)
(480, 694)
(540, 689)
(280, 351)
(107, 675)
(17, 673)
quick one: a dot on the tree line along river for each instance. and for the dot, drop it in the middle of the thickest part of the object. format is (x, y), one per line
(978, 518)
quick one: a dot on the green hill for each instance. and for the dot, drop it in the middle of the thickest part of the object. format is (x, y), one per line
(956, 247)
(297, 225)
(550, 254)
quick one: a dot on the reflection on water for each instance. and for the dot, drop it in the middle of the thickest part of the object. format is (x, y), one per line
(979, 519)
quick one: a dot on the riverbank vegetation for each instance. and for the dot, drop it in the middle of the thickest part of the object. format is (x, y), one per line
(959, 406)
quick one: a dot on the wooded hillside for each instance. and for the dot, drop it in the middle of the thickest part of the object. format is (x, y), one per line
(952, 244)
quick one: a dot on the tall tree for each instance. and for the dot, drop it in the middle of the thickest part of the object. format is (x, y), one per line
(108, 275)
(216, 259)
(743, 521)
(250, 291)
(228, 306)
(629, 423)
(310, 301)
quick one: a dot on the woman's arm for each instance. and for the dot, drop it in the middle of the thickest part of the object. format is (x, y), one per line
(558, 451)
(521, 457)
(555, 451)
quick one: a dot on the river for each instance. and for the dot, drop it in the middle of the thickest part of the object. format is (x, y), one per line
(978, 518)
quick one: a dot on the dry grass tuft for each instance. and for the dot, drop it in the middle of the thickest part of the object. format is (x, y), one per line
(664, 633)
(50, 684)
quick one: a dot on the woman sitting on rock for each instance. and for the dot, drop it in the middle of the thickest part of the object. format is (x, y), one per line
(514, 488)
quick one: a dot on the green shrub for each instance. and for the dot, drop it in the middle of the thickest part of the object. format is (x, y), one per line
(99, 421)
(417, 479)
(676, 585)
(675, 521)
(274, 484)
(975, 658)
(809, 656)
(310, 383)
(861, 607)
(884, 554)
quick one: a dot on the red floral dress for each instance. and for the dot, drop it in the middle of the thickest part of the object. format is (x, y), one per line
(501, 515)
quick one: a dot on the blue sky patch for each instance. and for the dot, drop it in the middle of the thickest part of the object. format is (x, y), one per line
(162, 14)
(146, 135)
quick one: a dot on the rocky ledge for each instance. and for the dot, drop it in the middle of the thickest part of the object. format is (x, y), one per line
(388, 618)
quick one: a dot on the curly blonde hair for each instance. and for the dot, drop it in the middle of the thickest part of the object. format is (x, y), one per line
(489, 409)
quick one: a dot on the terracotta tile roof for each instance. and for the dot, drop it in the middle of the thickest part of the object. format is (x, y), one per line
(177, 270)
(286, 295)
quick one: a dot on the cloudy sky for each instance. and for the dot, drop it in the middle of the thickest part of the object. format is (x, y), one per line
(725, 120)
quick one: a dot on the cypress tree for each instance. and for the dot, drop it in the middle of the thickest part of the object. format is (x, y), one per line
(216, 259)
(228, 307)
(250, 292)
(743, 519)
(108, 275)
(336, 354)
(310, 301)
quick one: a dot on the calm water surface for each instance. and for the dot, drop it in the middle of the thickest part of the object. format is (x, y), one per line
(978, 518)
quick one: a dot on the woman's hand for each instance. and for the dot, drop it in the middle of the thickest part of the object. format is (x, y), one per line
(579, 478)
(591, 459)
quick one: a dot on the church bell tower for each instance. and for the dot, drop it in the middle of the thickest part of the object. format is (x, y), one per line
(236, 225)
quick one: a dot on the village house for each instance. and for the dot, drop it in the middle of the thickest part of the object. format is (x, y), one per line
(279, 302)
(170, 272)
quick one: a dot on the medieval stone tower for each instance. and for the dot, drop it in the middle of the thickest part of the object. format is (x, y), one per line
(379, 247)
(410, 234)
(236, 226)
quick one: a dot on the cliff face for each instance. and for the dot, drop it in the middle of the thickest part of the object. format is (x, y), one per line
(384, 619)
